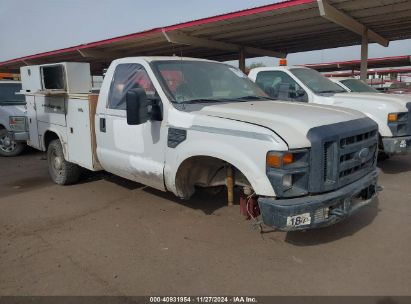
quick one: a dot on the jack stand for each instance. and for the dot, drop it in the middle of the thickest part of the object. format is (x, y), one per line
(230, 185)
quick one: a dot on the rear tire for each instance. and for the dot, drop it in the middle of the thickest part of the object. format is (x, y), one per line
(61, 171)
(9, 147)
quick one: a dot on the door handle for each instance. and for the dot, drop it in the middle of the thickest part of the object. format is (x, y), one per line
(102, 124)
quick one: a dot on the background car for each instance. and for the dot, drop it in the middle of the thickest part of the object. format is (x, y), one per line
(13, 121)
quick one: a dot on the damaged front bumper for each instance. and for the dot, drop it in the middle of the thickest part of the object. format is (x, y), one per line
(397, 145)
(319, 210)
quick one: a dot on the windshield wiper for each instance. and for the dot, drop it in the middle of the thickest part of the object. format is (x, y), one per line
(200, 100)
(253, 97)
(237, 99)
(330, 91)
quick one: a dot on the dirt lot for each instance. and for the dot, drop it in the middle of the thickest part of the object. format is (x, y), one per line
(108, 236)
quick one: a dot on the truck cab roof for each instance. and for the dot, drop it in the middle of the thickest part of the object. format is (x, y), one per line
(159, 58)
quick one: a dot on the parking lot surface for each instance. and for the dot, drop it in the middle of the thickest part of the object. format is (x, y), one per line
(109, 236)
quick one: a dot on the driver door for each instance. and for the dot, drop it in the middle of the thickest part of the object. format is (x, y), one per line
(135, 152)
(281, 86)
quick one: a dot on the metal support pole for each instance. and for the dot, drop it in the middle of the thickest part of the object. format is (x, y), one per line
(364, 55)
(230, 185)
(241, 60)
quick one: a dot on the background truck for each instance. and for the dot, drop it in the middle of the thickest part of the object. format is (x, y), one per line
(177, 124)
(391, 113)
(13, 123)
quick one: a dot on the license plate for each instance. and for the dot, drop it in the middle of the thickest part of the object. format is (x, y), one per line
(299, 220)
(403, 144)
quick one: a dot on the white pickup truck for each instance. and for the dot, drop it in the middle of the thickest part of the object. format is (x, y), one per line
(176, 124)
(392, 113)
(13, 124)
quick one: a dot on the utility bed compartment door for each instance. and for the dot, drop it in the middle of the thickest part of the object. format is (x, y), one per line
(79, 137)
(51, 109)
(32, 122)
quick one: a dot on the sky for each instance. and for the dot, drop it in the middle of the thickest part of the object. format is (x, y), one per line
(32, 26)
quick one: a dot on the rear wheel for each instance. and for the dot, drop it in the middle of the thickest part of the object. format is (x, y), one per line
(61, 171)
(9, 147)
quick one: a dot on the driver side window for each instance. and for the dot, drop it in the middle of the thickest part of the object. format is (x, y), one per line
(126, 77)
(281, 86)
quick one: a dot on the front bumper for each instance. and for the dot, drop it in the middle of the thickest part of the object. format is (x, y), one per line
(397, 145)
(319, 210)
(19, 136)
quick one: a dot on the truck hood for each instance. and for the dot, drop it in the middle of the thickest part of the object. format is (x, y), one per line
(392, 103)
(13, 110)
(291, 121)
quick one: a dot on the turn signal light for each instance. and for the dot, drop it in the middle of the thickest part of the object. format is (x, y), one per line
(274, 160)
(288, 158)
(392, 117)
(277, 160)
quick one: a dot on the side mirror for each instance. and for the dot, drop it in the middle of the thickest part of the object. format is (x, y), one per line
(299, 93)
(139, 108)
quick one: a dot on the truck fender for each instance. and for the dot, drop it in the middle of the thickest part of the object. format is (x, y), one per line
(383, 128)
(243, 162)
(51, 134)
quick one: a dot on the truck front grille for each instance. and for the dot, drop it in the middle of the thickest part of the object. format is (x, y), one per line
(342, 153)
(357, 155)
(342, 158)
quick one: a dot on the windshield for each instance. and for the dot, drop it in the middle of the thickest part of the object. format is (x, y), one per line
(8, 93)
(356, 85)
(203, 81)
(316, 82)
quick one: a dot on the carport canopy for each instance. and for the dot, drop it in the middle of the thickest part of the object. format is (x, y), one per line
(273, 30)
(352, 65)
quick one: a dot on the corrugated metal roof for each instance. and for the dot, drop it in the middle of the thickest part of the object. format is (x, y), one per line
(288, 27)
(373, 63)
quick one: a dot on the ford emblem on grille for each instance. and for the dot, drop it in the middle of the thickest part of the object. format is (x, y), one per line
(363, 153)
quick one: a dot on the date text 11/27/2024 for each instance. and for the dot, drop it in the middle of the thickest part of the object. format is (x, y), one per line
(203, 299)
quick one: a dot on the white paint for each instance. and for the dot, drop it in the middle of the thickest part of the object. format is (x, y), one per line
(377, 106)
(145, 166)
(123, 140)
(180, 119)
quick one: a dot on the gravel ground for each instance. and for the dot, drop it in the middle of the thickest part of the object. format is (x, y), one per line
(109, 236)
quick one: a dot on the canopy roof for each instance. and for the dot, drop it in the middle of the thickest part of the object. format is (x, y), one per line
(401, 72)
(272, 30)
(373, 63)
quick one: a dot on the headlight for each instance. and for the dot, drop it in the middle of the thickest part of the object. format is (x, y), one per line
(17, 123)
(398, 123)
(397, 117)
(279, 159)
(288, 172)
(287, 159)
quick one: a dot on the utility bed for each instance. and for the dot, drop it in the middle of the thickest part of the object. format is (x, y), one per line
(64, 106)
(70, 116)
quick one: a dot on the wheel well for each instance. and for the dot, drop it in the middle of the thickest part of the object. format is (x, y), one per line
(380, 142)
(2, 127)
(204, 171)
(49, 136)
